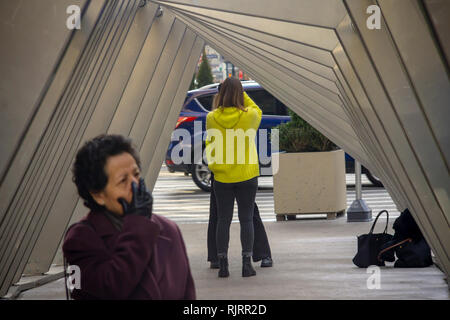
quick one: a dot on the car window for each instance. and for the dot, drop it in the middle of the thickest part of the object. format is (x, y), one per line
(268, 103)
(206, 101)
(281, 109)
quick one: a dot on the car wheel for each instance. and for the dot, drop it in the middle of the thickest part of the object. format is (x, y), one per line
(202, 176)
(375, 181)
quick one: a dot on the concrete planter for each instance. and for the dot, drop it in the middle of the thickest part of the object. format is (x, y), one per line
(309, 183)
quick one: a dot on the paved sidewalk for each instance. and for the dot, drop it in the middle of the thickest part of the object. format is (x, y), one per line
(312, 260)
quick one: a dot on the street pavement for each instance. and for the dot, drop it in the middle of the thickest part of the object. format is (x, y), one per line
(312, 255)
(178, 198)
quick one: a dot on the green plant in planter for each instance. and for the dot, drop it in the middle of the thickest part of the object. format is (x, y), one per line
(298, 135)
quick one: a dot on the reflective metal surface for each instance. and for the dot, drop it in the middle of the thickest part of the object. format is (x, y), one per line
(383, 95)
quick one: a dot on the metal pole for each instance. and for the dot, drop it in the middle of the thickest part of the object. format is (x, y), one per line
(358, 180)
(358, 211)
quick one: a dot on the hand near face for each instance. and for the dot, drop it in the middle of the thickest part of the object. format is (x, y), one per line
(141, 202)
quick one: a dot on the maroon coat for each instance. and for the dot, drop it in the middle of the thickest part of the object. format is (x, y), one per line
(146, 260)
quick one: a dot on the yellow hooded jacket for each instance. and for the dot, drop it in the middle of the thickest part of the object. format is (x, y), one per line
(230, 143)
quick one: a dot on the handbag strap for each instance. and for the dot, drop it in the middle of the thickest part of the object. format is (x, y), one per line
(376, 219)
(393, 246)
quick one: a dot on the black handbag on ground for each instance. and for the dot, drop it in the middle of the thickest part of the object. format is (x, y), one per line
(410, 253)
(408, 243)
(415, 254)
(369, 246)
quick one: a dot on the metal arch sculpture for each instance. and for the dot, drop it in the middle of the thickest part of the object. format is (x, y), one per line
(126, 70)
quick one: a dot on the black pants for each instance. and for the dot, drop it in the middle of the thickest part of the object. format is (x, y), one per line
(261, 247)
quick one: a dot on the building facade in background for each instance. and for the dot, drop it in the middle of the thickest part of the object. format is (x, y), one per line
(221, 68)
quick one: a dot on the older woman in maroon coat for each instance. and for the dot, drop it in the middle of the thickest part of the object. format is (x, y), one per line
(122, 250)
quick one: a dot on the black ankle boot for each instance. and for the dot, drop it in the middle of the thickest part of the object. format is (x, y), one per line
(247, 268)
(266, 262)
(223, 267)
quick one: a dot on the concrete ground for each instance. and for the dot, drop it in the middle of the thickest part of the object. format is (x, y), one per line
(312, 260)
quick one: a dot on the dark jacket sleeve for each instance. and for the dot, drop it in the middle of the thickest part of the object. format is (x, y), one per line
(111, 274)
(189, 293)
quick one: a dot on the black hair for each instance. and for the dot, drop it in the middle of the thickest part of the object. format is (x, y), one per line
(89, 168)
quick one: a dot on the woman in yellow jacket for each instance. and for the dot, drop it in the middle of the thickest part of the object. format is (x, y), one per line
(233, 158)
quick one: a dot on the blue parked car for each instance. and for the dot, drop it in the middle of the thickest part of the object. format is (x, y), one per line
(195, 109)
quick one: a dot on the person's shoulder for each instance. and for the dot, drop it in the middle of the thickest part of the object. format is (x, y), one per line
(210, 115)
(252, 112)
(166, 224)
(81, 226)
(79, 233)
